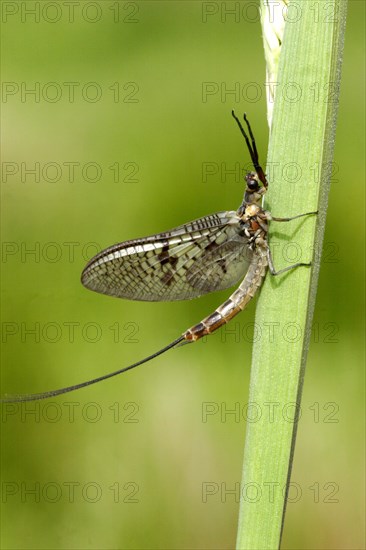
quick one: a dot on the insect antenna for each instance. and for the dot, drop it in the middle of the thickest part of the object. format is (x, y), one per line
(60, 391)
(252, 148)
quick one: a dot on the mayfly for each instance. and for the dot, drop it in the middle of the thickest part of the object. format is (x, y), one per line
(208, 254)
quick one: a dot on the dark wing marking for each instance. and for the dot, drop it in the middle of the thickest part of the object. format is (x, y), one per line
(202, 256)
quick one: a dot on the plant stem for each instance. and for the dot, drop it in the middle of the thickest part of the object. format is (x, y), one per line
(299, 171)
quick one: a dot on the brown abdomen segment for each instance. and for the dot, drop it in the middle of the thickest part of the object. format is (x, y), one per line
(236, 303)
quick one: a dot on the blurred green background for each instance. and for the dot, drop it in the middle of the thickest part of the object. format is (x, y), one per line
(121, 129)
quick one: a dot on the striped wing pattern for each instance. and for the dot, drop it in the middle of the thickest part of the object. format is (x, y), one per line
(208, 254)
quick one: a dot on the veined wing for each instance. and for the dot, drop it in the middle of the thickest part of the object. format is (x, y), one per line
(207, 254)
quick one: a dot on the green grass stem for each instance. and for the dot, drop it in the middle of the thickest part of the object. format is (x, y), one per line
(299, 169)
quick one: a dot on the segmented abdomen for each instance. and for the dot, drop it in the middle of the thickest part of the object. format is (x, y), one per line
(237, 301)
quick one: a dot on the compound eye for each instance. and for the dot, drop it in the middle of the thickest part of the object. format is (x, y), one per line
(252, 182)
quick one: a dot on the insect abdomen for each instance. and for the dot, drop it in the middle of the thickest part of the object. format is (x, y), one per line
(236, 303)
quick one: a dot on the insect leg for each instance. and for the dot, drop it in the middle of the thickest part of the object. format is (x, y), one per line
(272, 269)
(252, 138)
(293, 217)
(252, 148)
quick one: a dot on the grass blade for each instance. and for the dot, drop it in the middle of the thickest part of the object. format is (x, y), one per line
(299, 171)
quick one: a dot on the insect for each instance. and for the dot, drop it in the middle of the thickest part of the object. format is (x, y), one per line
(207, 254)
